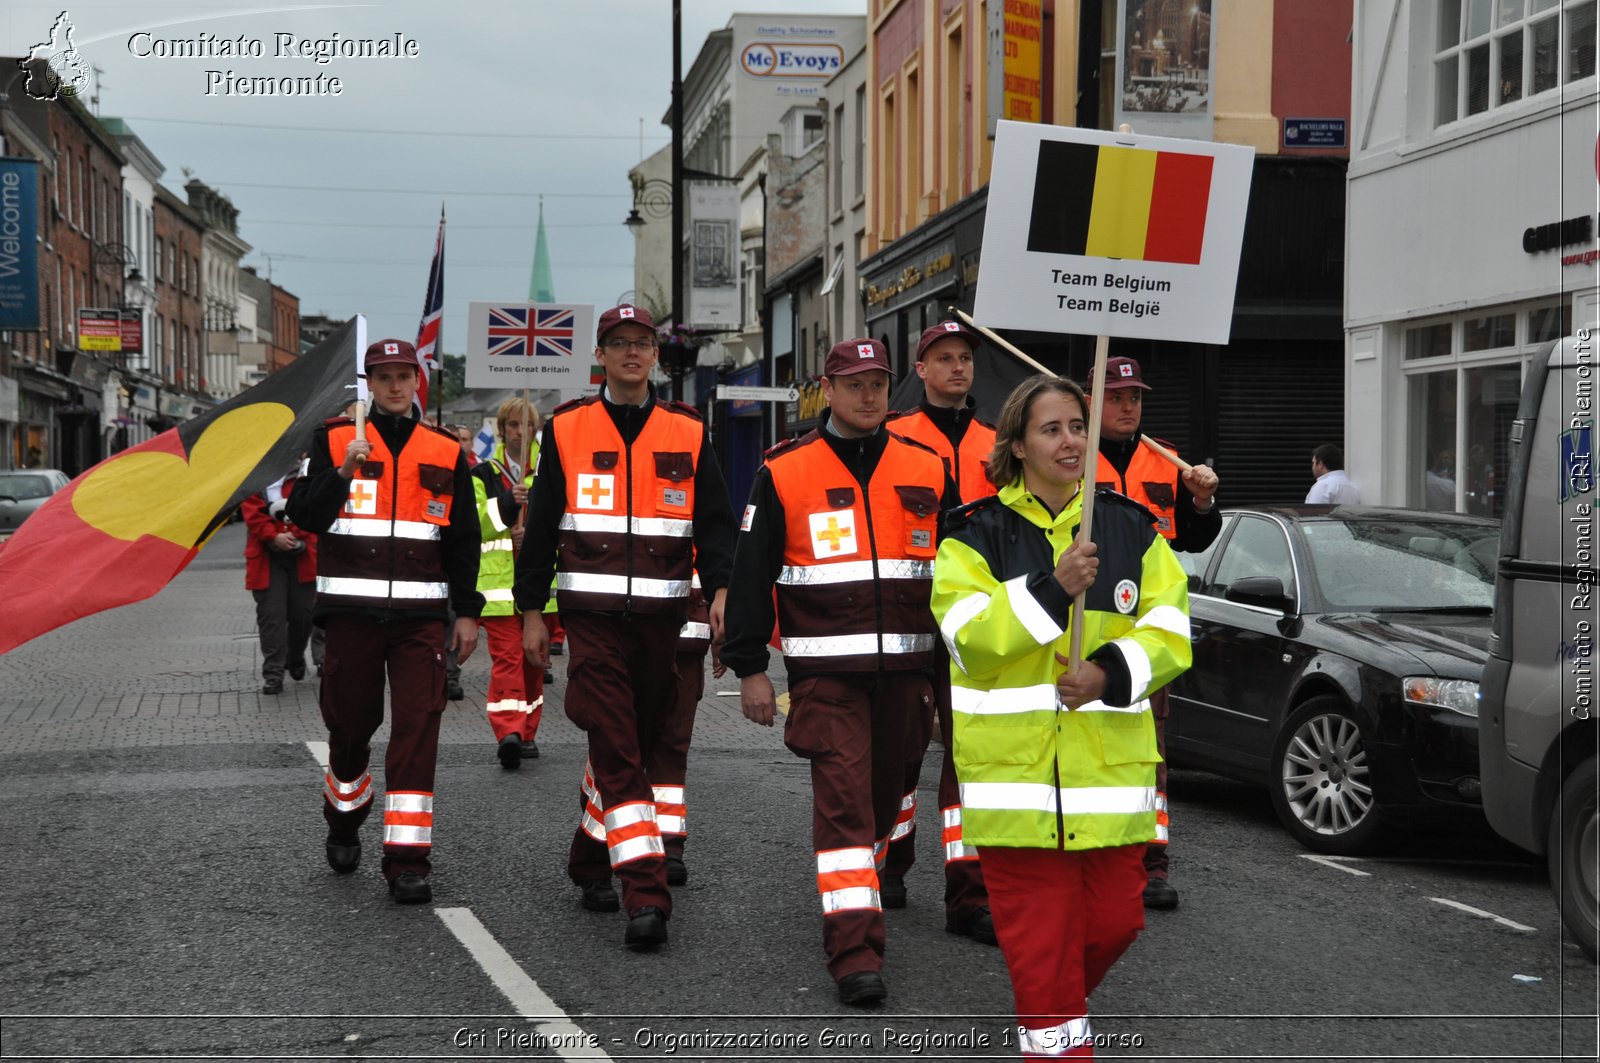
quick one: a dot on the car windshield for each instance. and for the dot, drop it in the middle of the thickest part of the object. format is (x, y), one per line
(1394, 565)
(23, 486)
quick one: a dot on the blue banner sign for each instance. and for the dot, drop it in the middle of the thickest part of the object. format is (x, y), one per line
(19, 244)
(1314, 132)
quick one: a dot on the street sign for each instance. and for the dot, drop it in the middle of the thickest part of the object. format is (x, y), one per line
(1314, 132)
(752, 393)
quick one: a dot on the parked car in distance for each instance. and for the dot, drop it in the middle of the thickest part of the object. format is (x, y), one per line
(24, 490)
(1337, 653)
(1541, 742)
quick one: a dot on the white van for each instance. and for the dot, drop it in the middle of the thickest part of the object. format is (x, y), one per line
(1537, 731)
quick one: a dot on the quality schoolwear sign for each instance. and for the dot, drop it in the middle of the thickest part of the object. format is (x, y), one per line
(1101, 233)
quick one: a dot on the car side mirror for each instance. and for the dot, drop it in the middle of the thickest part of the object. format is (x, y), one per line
(1264, 591)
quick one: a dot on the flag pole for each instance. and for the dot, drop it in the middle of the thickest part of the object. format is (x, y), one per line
(527, 445)
(438, 343)
(361, 420)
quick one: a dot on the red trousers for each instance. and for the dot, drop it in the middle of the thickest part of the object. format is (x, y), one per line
(668, 763)
(963, 877)
(358, 652)
(621, 690)
(1063, 919)
(1155, 854)
(858, 732)
(516, 686)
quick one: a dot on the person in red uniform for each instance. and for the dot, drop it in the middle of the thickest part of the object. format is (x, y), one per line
(1185, 514)
(398, 546)
(627, 502)
(280, 572)
(946, 421)
(844, 520)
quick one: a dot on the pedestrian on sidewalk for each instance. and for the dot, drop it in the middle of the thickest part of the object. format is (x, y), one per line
(844, 522)
(1057, 764)
(398, 547)
(280, 572)
(946, 421)
(627, 500)
(515, 701)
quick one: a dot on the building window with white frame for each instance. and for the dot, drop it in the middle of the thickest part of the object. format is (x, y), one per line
(1489, 53)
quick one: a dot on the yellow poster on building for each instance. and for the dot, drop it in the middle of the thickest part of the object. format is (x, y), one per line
(1022, 34)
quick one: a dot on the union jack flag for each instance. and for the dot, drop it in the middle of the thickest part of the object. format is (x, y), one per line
(523, 332)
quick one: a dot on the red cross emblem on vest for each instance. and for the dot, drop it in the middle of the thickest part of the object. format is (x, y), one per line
(363, 500)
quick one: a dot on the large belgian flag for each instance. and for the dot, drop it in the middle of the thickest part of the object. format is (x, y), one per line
(121, 531)
(1119, 202)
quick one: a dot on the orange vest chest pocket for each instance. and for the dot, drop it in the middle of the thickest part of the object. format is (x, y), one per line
(674, 486)
(439, 485)
(920, 518)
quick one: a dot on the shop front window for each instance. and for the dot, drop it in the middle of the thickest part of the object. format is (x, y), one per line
(1491, 406)
(1432, 417)
(1428, 341)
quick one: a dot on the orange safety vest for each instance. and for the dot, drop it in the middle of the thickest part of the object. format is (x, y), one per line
(857, 578)
(627, 535)
(1151, 481)
(383, 550)
(968, 464)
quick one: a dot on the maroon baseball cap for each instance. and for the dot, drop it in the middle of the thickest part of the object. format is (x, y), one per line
(1124, 373)
(857, 356)
(391, 352)
(934, 333)
(626, 314)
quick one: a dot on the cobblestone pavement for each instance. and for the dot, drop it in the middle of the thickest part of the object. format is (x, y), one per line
(184, 668)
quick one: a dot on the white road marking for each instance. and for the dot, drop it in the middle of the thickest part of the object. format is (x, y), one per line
(319, 750)
(560, 1034)
(1331, 861)
(1502, 920)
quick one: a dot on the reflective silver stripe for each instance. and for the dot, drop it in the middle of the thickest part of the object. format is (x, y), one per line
(606, 524)
(498, 594)
(586, 582)
(672, 824)
(856, 859)
(493, 507)
(1161, 835)
(508, 705)
(1069, 801)
(636, 849)
(855, 645)
(404, 834)
(347, 796)
(352, 587)
(667, 795)
(593, 827)
(1138, 662)
(906, 821)
(692, 630)
(372, 528)
(853, 572)
(1055, 1040)
(958, 617)
(694, 581)
(1167, 618)
(1002, 700)
(1161, 801)
(901, 829)
(490, 546)
(629, 814)
(851, 898)
(1029, 613)
(954, 847)
(405, 801)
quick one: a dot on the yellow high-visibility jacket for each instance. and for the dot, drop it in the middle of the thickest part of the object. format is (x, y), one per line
(1033, 773)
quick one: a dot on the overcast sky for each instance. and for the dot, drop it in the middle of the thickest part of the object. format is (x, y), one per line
(505, 102)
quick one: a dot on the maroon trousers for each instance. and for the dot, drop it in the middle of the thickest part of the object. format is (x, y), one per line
(359, 651)
(857, 731)
(963, 877)
(516, 685)
(621, 690)
(667, 764)
(1063, 919)
(1155, 854)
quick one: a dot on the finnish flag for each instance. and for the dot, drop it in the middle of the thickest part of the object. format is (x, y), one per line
(483, 445)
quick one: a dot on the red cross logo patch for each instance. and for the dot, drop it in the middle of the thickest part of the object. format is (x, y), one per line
(1126, 596)
(626, 311)
(951, 326)
(391, 348)
(1124, 370)
(865, 351)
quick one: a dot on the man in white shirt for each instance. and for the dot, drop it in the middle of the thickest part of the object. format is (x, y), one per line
(1333, 487)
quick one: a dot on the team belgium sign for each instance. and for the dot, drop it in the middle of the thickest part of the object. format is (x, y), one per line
(1112, 234)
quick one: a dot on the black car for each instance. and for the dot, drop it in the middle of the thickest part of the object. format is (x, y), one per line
(1337, 653)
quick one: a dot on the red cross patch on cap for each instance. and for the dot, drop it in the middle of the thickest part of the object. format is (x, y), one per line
(391, 348)
(626, 311)
(951, 326)
(1124, 370)
(865, 350)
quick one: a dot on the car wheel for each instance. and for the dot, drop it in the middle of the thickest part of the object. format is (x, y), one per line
(1574, 852)
(1321, 781)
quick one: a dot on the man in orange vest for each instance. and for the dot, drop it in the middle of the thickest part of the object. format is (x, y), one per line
(397, 547)
(627, 503)
(844, 520)
(946, 421)
(1184, 508)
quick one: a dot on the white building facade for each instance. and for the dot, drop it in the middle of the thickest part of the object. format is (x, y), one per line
(1472, 233)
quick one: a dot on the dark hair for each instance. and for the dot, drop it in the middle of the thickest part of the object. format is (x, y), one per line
(1330, 456)
(1004, 466)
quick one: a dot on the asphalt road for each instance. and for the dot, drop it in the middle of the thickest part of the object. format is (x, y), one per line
(165, 896)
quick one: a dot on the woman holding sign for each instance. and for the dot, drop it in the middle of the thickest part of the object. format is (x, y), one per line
(1057, 765)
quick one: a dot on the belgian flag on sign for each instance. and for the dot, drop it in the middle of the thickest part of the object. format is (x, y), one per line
(1117, 202)
(120, 532)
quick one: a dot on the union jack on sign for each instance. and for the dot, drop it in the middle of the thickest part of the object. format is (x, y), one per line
(524, 332)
